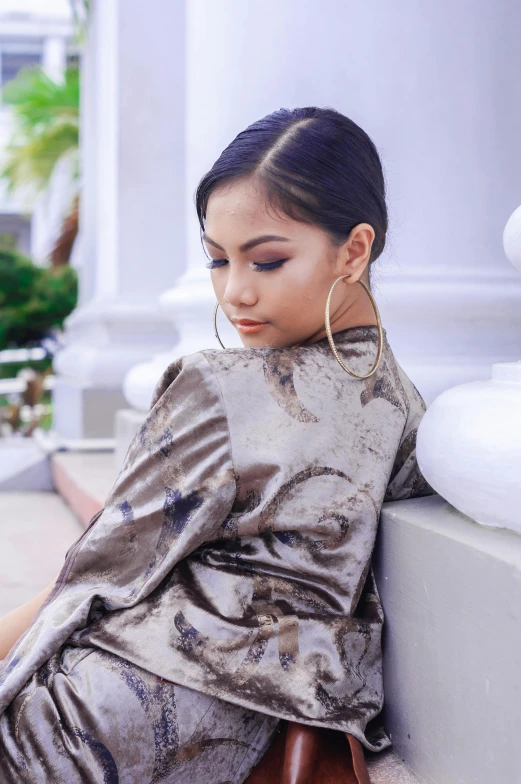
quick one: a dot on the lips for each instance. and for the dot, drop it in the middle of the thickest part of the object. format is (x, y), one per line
(249, 325)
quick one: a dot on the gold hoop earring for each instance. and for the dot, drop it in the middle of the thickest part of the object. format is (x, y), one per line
(330, 336)
(215, 324)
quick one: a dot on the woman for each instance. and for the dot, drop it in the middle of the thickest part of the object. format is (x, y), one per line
(227, 581)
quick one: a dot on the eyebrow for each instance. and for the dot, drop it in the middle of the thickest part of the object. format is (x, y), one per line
(251, 243)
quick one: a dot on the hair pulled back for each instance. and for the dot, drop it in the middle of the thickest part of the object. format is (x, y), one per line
(314, 165)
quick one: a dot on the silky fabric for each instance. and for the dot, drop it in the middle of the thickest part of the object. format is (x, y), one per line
(232, 555)
(108, 721)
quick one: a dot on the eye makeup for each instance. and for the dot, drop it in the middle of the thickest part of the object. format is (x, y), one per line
(256, 266)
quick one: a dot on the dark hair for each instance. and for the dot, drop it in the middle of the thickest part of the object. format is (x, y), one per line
(314, 165)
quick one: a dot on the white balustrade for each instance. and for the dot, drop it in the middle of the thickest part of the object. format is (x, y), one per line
(469, 439)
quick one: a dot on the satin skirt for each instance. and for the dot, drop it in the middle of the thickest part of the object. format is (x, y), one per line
(90, 716)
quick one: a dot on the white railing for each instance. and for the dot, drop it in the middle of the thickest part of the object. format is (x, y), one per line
(13, 385)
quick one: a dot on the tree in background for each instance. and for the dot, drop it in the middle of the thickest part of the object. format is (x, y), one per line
(46, 128)
(33, 300)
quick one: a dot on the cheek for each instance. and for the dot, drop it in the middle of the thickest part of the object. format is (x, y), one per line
(308, 284)
(298, 294)
(218, 283)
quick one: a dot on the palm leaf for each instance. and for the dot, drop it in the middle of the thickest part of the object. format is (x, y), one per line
(36, 98)
(46, 126)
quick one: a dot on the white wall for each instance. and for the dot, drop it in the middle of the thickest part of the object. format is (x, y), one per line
(436, 86)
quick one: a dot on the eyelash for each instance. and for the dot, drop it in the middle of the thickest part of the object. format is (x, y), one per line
(214, 263)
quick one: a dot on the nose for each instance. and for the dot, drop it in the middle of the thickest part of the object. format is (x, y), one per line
(239, 290)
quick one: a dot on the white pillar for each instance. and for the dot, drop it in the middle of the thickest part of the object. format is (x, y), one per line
(132, 207)
(54, 58)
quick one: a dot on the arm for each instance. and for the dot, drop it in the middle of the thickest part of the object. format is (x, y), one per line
(14, 623)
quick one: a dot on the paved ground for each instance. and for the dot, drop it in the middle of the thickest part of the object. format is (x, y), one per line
(36, 530)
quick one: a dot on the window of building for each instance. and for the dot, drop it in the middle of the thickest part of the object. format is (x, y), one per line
(8, 241)
(73, 60)
(13, 62)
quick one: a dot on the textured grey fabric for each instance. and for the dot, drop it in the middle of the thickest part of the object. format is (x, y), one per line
(89, 716)
(233, 553)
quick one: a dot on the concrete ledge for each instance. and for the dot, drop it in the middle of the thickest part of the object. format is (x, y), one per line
(24, 466)
(84, 480)
(81, 411)
(451, 593)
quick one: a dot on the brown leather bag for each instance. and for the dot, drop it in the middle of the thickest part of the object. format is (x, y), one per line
(301, 754)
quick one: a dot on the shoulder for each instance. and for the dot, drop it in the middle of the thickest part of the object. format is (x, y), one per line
(414, 402)
(234, 359)
(416, 408)
(203, 372)
(189, 374)
(252, 384)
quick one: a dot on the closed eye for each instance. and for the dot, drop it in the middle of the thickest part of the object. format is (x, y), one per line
(257, 267)
(214, 263)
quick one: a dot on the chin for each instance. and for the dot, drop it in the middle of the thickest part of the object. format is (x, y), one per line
(254, 341)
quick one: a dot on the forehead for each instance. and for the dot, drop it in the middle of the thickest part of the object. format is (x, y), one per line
(237, 212)
(240, 207)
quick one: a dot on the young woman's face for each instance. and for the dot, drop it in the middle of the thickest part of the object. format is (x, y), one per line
(277, 272)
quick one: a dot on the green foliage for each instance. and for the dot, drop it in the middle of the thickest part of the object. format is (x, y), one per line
(11, 369)
(8, 241)
(46, 126)
(33, 299)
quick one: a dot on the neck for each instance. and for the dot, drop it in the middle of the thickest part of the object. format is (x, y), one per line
(357, 311)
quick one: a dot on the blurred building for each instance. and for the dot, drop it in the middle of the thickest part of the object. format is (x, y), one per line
(33, 33)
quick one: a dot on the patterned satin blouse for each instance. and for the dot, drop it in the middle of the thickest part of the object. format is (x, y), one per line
(233, 553)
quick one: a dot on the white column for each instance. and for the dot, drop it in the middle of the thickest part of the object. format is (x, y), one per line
(132, 208)
(54, 58)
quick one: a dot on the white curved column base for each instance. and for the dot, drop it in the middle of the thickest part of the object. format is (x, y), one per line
(104, 339)
(107, 337)
(469, 447)
(189, 305)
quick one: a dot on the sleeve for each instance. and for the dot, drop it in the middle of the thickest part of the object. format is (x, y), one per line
(176, 486)
(406, 479)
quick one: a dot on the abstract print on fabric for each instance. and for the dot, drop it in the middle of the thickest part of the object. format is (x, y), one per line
(163, 733)
(233, 553)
